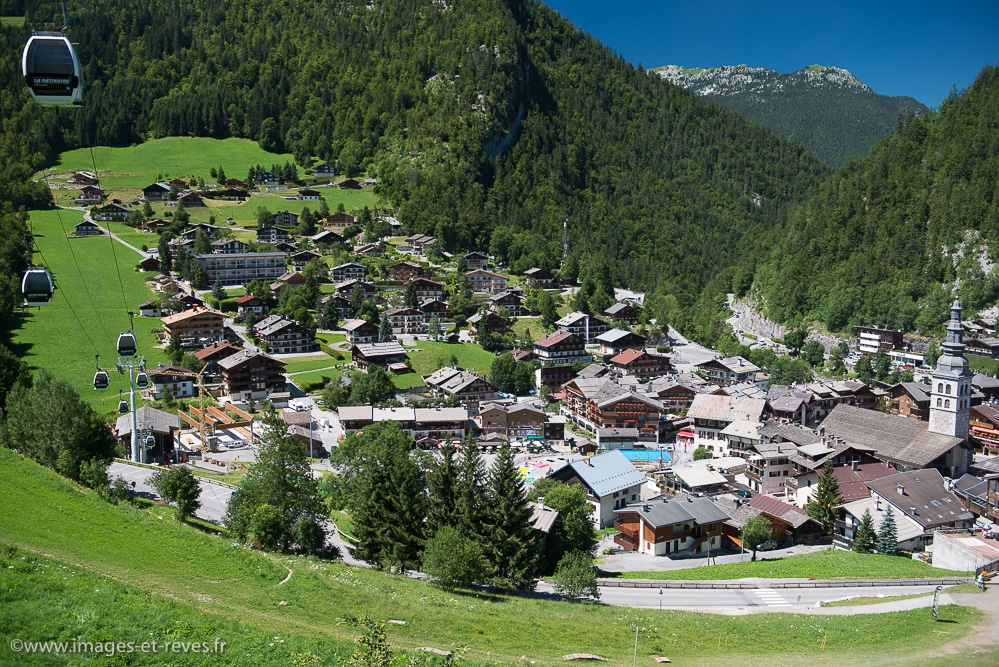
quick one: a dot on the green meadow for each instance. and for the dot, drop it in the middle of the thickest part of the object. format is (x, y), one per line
(430, 356)
(88, 310)
(118, 573)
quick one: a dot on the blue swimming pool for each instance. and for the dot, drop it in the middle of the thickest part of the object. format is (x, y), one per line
(644, 454)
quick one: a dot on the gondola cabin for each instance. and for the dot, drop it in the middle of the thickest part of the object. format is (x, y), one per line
(36, 286)
(52, 70)
(126, 344)
(142, 381)
(122, 407)
(101, 380)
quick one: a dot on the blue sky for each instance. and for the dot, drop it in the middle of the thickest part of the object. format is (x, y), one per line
(916, 48)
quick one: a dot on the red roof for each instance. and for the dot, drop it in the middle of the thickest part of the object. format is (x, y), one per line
(627, 357)
(553, 339)
(773, 506)
(246, 299)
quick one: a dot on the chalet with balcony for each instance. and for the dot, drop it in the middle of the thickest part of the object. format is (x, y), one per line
(287, 279)
(156, 192)
(249, 375)
(390, 356)
(89, 194)
(418, 243)
(623, 311)
(871, 340)
(267, 178)
(404, 272)
(360, 331)
(251, 304)
(615, 341)
(283, 335)
(180, 381)
(428, 289)
(87, 228)
(727, 371)
(368, 290)
(349, 271)
(309, 195)
(432, 308)
(668, 527)
(213, 354)
(543, 278)
(610, 480)
(469, 388)
(272, 234)
(342, 304)
(300, 259)
(516, 421)
(640, 364)
(328, 238)
(190, 199)
(113, 212)
(561, 348)
(492, 321)
(427, 426)
(511, 302)
(286, 219)
(369, 250)
(195, 326)
(596, 403)
(983, 429)
(581, 324)
(477, 260)
(81, 178)
(408, 321)
(228, 247)
(910, 399)
(484, 281)
(339, 221)
(710, 414)
(983, 346)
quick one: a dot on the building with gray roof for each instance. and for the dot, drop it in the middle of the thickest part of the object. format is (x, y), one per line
(610, 481)
(661, 526)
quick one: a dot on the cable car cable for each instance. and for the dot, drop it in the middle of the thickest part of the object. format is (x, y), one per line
(77, 317)
(121, 283)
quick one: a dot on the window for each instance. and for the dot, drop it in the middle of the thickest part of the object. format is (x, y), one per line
(940, 388)
(939, 403)
(947, 403)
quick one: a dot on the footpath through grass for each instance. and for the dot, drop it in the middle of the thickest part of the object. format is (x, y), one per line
(178, 580)
(827, 564)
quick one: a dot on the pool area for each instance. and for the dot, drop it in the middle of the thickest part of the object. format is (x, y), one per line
(644, 454)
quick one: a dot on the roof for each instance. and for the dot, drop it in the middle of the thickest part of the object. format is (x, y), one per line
(625, 433)
(664, 512)
(606, 473)
(618, 307)
(554, 339)
(353, 325)
(695, 477)
(571, 319)
(628, 356)
(726, 408)
(743, 429)
(188, 314)
(614, 335)
(737, 364)
(893, 436)
(905, 527)
(158, 421)
(924, 490)
(778, 509)
(216, 348)
(543, 518)
(369, 350)
(243, 356)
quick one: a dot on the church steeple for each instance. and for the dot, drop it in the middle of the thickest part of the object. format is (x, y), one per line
(950, 392)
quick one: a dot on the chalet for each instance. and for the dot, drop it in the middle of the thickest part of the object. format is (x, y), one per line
(191, 232)
(267, 178)
(150, 263)
(190, 199)
(87, 228)
(615, 341)
(983, 429)
(427, 426)
(327, 238)
(553, 377)
(662, 526)
(543, 278)
(195, 326)
(561, 349)
(486, 282)
(156, 192)
(516, 421)
(368, 290)
(369, 182)
(468, 388)
(428, 289)
(230, 194)
(155, 224)
(287, 248)
(623, 311)
(180, 381)
(339, 221)
(349, 184)
(347, 272)
(511, 302)
(492, 321)
(610, 480)
(213, 354)
(711, 414)
(300, 259)
(235, 183)
(388, 355)
(242, 268)
(286, 219)
(641, 364)
(369, 250)
(248, 375)
(325, 169)
(251, 304)
(178, 183)
(676, 393)
(190, 301)
(163, 426)
(787, 522)
(910, 399)
(599, 403)
(725, 371)
(871, 340)
(283, 335)
(983, 346)
(477, 260)
(405, 320)
(228, 247)
(583, 325)
(360, 331)
(404, 272)
(432, 308)
(112, 212)
(419, 242)
(288, 278)
(81, 178)
(150, 309)
(272, 234)
(309, 195)
(89, 194)
(987, 386)
(342, 305)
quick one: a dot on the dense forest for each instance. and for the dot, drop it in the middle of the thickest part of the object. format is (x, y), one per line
(488, 123)
(886, 238)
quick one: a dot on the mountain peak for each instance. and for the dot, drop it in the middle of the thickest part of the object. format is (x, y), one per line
(834, 75)
(735, 79)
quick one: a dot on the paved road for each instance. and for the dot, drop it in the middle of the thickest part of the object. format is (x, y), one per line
(214, 497)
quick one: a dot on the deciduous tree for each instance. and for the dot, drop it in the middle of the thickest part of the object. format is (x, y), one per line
(575, 577)
(755, 532)
(180, 487)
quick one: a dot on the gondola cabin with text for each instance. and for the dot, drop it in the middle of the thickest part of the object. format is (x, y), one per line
(52, 70)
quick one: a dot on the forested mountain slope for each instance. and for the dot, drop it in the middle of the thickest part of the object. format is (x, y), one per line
(886, 238)
(827, 109)
(488, 123)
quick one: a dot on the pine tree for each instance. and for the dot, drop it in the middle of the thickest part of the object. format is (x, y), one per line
(384, 329)
(865, 535)
(887, 542)
(510, 548)
(827, 497)
(470, 494)
(409, 295)
(443, 486)
(217, 290)
(166, 257)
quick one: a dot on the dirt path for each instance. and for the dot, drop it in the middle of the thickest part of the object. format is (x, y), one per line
(286, 579)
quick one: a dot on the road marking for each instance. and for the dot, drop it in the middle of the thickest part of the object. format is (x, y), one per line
(771, 598)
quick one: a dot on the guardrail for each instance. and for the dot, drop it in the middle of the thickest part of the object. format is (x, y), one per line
(766, 583)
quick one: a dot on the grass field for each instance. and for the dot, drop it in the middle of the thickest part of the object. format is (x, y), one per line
(159, 576)
(984, 365)
(87, 311)
(827, 564)
(430, 356)
(12, 20)
(530, 326)
(409, 380)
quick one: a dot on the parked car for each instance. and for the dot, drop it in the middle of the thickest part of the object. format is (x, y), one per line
(768, 545)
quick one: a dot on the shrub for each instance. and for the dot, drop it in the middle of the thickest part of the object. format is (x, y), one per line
(227, 305)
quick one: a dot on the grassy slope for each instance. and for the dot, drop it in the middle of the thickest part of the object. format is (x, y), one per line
(830, 564)
(206, 575)
(51, 337)
(433, 355)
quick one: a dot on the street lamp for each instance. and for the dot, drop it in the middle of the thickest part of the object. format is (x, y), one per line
(660, 598)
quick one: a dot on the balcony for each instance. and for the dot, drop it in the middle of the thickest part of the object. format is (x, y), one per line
(626, 542)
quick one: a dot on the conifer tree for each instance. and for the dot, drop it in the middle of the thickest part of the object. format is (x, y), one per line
(827, 497)
(865, 536)
(217, 290)
(409, 295)
(887, 542)
(471, 489)
(384, 329)
(443, 486)
(510, 549)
